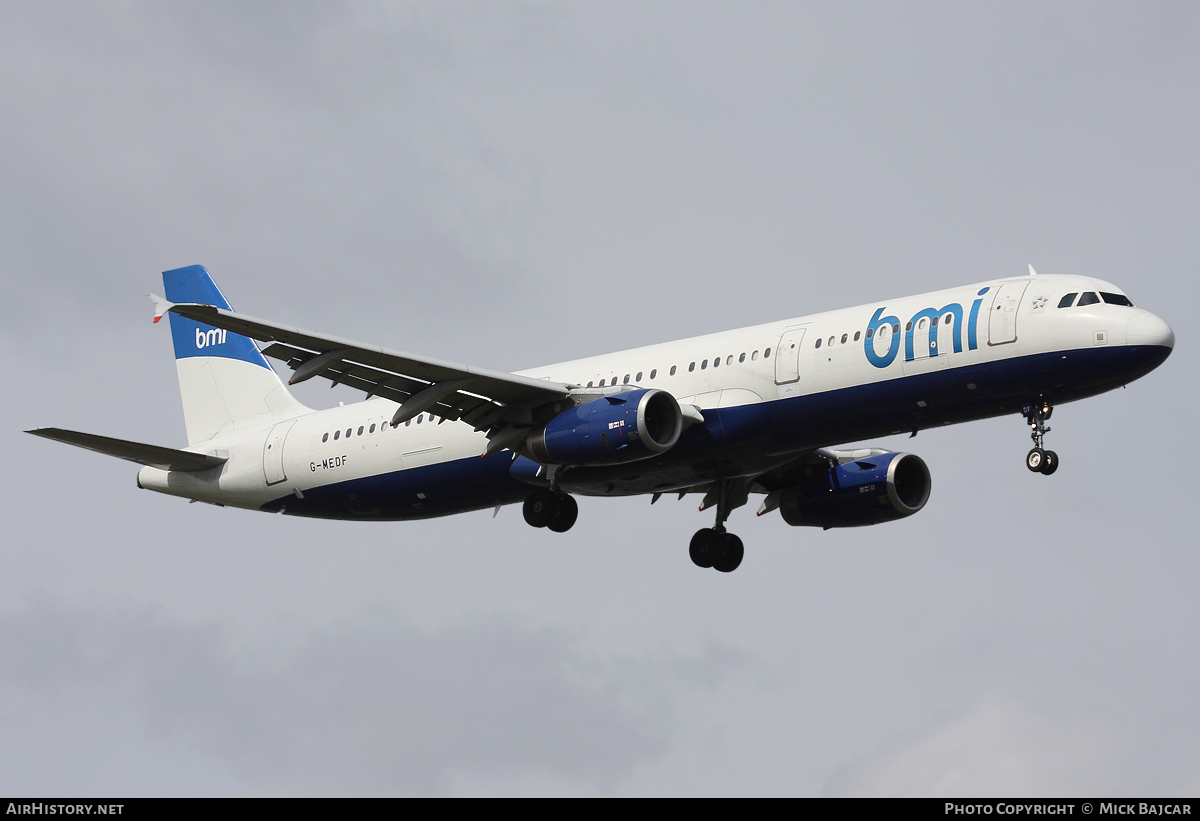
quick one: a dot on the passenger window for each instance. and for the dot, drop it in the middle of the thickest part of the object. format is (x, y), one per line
(1116, 299)
(830, 342)
(844, 338)
(626, 382)
(857, 334)
(325, 438)
(907, 326)
(638, 378)
(767, 353)
(948, 319)
(933, 322)
(717, 362)
(372, 430)
(729, 360)
(589, 384)
(672, 370)
(691, 367)
(1089, 298)
(703, 364)
(1066, 301)
(602, 383)
(360, 430)
(818, 343)
(742, 358)
(336, 434)
(654, 373)
(896, 328)
(870, 333)
(348, 432)
(754, 356)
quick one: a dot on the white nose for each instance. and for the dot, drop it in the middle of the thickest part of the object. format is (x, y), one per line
(1144, 328)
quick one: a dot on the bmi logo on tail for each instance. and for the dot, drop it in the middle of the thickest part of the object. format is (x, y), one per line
(206, 339)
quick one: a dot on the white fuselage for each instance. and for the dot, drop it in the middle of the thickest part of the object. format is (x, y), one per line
(976, 326)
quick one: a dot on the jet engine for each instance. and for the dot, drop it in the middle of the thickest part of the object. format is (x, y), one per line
(610, 429)
(880, 488)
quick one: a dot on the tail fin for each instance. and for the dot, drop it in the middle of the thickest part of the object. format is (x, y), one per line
(225, 381)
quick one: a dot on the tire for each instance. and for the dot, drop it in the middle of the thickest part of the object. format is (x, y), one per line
(703, 547)
(540, 508)
(1051, 463)
(732, 558)
(1035, 459)
(568, 512)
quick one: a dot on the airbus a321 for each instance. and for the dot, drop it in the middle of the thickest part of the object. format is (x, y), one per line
(756, 410)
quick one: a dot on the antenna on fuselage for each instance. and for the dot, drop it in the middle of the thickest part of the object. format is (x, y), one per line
(1032, 272)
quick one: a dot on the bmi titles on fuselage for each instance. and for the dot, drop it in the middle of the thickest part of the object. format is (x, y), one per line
(883, 327)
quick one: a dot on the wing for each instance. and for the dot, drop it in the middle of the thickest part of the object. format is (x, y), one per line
(152, 455)
(500, 403)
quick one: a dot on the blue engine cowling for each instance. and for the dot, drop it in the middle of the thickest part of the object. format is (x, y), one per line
(621, 427)
(867, 491)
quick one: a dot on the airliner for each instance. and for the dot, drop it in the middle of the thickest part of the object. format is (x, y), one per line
(759, 410)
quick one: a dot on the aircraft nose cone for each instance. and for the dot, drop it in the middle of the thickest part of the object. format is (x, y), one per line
(1145, 328)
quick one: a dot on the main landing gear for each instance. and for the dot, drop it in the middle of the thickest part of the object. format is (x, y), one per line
(1039, 460)
(713, 546)
(550, 509)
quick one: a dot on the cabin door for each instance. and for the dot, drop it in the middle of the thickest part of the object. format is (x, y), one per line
(273, 453)
(1002, 322)
(787, 356)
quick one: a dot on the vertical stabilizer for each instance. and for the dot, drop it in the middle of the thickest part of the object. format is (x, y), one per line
(224, 380)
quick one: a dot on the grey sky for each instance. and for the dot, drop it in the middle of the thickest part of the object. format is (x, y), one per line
(514, 184)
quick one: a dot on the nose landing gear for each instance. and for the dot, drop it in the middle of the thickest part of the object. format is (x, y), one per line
(1039, 460)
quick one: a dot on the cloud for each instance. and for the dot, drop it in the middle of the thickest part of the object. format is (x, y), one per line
(999, 748)
(371, 707)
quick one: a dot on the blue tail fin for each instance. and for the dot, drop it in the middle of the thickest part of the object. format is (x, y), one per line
(193, 284)
(224, 380)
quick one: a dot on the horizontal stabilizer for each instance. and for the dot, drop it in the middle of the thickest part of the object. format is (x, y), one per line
(151, 455)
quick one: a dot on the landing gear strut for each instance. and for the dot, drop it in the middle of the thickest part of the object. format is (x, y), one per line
(714, 547)
(1039, 460)
(551, 510)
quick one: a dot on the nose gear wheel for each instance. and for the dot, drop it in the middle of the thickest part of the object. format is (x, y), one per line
(1039, 460)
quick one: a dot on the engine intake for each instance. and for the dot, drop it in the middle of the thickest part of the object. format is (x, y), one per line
(868, 491)
(621, 427)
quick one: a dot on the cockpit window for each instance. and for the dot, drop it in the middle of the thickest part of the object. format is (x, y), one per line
(1088, 298)
(1116, 299)
(1066, 301)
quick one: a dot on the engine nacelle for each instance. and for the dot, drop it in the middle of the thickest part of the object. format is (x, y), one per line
(621, 427)
(879, 488)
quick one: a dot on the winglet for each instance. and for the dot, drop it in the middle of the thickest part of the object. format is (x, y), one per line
(1032, 272)
(161, 306)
